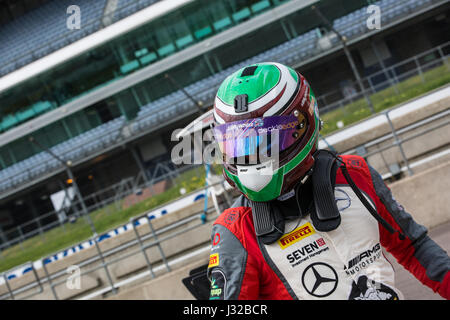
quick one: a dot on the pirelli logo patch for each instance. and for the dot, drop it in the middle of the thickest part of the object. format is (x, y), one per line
(295, 236)
(213, 260)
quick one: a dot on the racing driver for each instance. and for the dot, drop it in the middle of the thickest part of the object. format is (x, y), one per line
(309, 224)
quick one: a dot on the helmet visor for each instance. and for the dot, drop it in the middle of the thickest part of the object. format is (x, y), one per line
(254, 139)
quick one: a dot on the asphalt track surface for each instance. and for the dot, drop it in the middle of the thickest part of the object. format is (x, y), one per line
(412, 288)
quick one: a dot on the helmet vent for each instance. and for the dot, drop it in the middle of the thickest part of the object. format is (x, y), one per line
(249, 71)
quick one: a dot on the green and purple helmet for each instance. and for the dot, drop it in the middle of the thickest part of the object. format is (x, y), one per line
(266, 126)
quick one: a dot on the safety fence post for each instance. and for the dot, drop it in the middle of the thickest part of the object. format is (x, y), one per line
(419, 69)
(22, 238)
(141, 245)
(49, 280)
(11, 294)
(158, 244)
(29, 265)
(444, 58)
(398, 142)
(41, 289)
(104, 264)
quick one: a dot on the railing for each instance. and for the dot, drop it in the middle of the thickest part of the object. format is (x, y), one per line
(104, 259)
(37, 283)
(392, 75)
(113, 194)
(433, 123)
(51, 279)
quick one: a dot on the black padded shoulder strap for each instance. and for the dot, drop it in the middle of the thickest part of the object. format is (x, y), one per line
(262, 218)
(326, 216)
(268, 221)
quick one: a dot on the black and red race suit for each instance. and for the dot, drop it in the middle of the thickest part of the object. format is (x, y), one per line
(345, 263)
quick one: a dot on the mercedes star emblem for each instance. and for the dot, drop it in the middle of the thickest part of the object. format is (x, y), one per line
(319, 279)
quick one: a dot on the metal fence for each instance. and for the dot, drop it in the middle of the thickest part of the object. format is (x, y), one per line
(389, 77)
(109, 198)
(399, 137)
(103, 259)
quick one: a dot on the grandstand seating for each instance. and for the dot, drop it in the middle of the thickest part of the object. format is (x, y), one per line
(45, 25)
(43, 30)
(128, 7)
(167, 108)
(355, 23)
(23, 115)
(34, 39)
(77, 148)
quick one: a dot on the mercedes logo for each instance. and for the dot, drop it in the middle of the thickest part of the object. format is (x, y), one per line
(319, 279)
(343, 200)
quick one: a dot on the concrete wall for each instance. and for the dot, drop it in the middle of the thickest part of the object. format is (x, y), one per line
(421, 146)
(399, 122)
(426, 195)
(166, 287)
(192, 235)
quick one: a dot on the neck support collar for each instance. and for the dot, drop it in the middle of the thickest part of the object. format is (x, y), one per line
(325, 216)
(269, 217)
(269, 221)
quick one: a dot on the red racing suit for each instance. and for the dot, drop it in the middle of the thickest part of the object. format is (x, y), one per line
(345, 263)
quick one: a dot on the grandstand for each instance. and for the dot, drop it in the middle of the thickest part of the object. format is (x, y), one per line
(98, 96)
